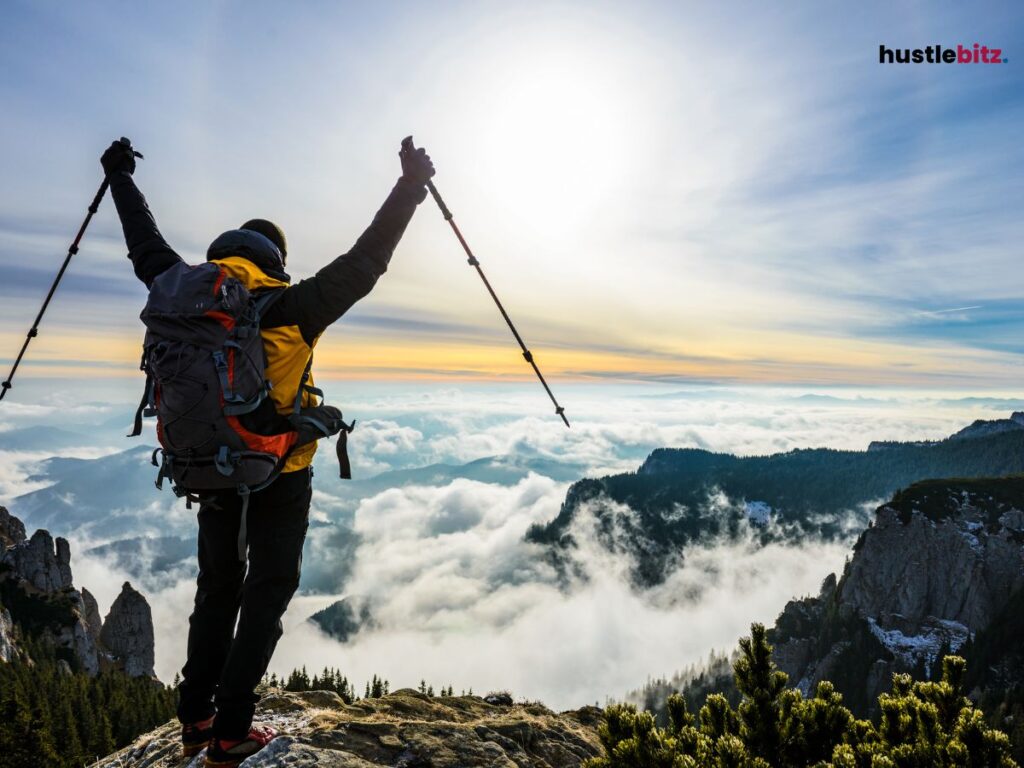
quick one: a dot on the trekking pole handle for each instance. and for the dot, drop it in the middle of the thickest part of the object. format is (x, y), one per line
(128, 143)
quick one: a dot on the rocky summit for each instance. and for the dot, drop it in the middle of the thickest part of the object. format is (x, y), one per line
(406, 729)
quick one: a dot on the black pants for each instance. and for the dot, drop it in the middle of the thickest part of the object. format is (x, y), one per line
(224, 663)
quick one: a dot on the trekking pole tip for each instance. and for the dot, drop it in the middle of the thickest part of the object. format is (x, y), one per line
(561, 412)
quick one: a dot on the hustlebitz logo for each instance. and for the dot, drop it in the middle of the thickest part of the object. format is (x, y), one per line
(938, 54)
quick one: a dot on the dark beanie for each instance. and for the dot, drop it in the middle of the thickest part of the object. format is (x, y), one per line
(271, 231)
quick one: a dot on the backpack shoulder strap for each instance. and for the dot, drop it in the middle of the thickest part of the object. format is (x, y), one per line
(304, 387)
(264, 300)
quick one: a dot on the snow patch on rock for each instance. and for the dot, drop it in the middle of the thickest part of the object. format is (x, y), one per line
(935, 635)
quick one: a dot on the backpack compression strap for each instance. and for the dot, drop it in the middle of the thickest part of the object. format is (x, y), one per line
(323, 419)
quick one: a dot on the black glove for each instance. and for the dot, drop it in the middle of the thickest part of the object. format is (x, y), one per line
(416, 165)
(118, 157)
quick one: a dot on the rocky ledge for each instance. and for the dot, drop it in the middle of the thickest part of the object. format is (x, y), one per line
(406, 728)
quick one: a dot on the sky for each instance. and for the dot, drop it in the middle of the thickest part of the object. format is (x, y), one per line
(661, 192)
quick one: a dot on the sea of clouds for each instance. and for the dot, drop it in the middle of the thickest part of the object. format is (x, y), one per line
(438, 557)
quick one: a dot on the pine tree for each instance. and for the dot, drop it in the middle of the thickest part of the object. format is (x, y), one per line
(761, 685)
(921, 724)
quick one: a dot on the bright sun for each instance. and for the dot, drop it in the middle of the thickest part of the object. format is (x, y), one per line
(562, 128)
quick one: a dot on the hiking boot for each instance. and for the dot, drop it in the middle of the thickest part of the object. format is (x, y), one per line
(228, 753)
(195, 737)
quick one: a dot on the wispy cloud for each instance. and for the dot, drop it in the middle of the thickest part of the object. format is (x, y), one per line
(796, 197)
(948, 311)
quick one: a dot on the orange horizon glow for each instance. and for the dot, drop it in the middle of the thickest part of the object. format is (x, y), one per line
(75, 353)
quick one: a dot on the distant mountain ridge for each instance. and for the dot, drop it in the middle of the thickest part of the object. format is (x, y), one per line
(680, 496)
(979, 428)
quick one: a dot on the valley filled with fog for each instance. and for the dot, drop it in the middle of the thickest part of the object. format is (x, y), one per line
(427, 545)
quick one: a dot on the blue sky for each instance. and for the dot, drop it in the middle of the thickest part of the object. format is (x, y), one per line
(734, 192)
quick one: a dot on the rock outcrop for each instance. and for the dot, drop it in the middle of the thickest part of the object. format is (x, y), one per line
(12, 530)
(406, 728)
(38, 562)
(127, 633)
(37, 583)
(93, 622)
(8, 650)
(939, 565)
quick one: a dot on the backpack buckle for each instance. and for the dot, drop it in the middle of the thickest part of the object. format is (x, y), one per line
(225, 461)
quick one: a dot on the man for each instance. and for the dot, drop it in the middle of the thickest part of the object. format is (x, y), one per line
(217, 698)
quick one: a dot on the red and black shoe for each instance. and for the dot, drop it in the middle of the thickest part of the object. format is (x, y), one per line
(195, 737)
(229, 753)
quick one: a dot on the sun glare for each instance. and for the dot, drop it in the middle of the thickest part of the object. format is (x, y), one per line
(563, 135)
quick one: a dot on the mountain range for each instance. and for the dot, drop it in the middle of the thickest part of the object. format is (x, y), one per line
(683, 496)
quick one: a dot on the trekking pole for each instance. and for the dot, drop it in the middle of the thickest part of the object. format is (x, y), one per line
(34, 331)
(407, 147)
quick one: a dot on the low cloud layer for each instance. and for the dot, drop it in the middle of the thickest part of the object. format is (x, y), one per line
(456, 595)
(459, 598)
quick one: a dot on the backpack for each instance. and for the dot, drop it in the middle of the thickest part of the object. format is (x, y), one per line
(204, 362)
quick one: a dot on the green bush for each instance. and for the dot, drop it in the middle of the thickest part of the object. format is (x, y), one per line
(922, 725)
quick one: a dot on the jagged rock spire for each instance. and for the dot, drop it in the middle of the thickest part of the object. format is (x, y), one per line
(128, 632)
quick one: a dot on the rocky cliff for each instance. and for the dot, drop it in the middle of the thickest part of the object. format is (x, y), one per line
(38, 598)
(938, 569)
(406, 728)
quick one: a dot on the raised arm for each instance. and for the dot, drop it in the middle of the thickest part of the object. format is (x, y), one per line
(315, 303)
(149, 252)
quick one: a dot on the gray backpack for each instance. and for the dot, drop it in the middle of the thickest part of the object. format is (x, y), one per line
(205, 382)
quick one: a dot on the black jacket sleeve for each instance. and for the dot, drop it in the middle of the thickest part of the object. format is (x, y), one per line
(149, 252)
(315, 303)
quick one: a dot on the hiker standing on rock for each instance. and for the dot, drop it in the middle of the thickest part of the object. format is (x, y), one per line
(265, 525)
